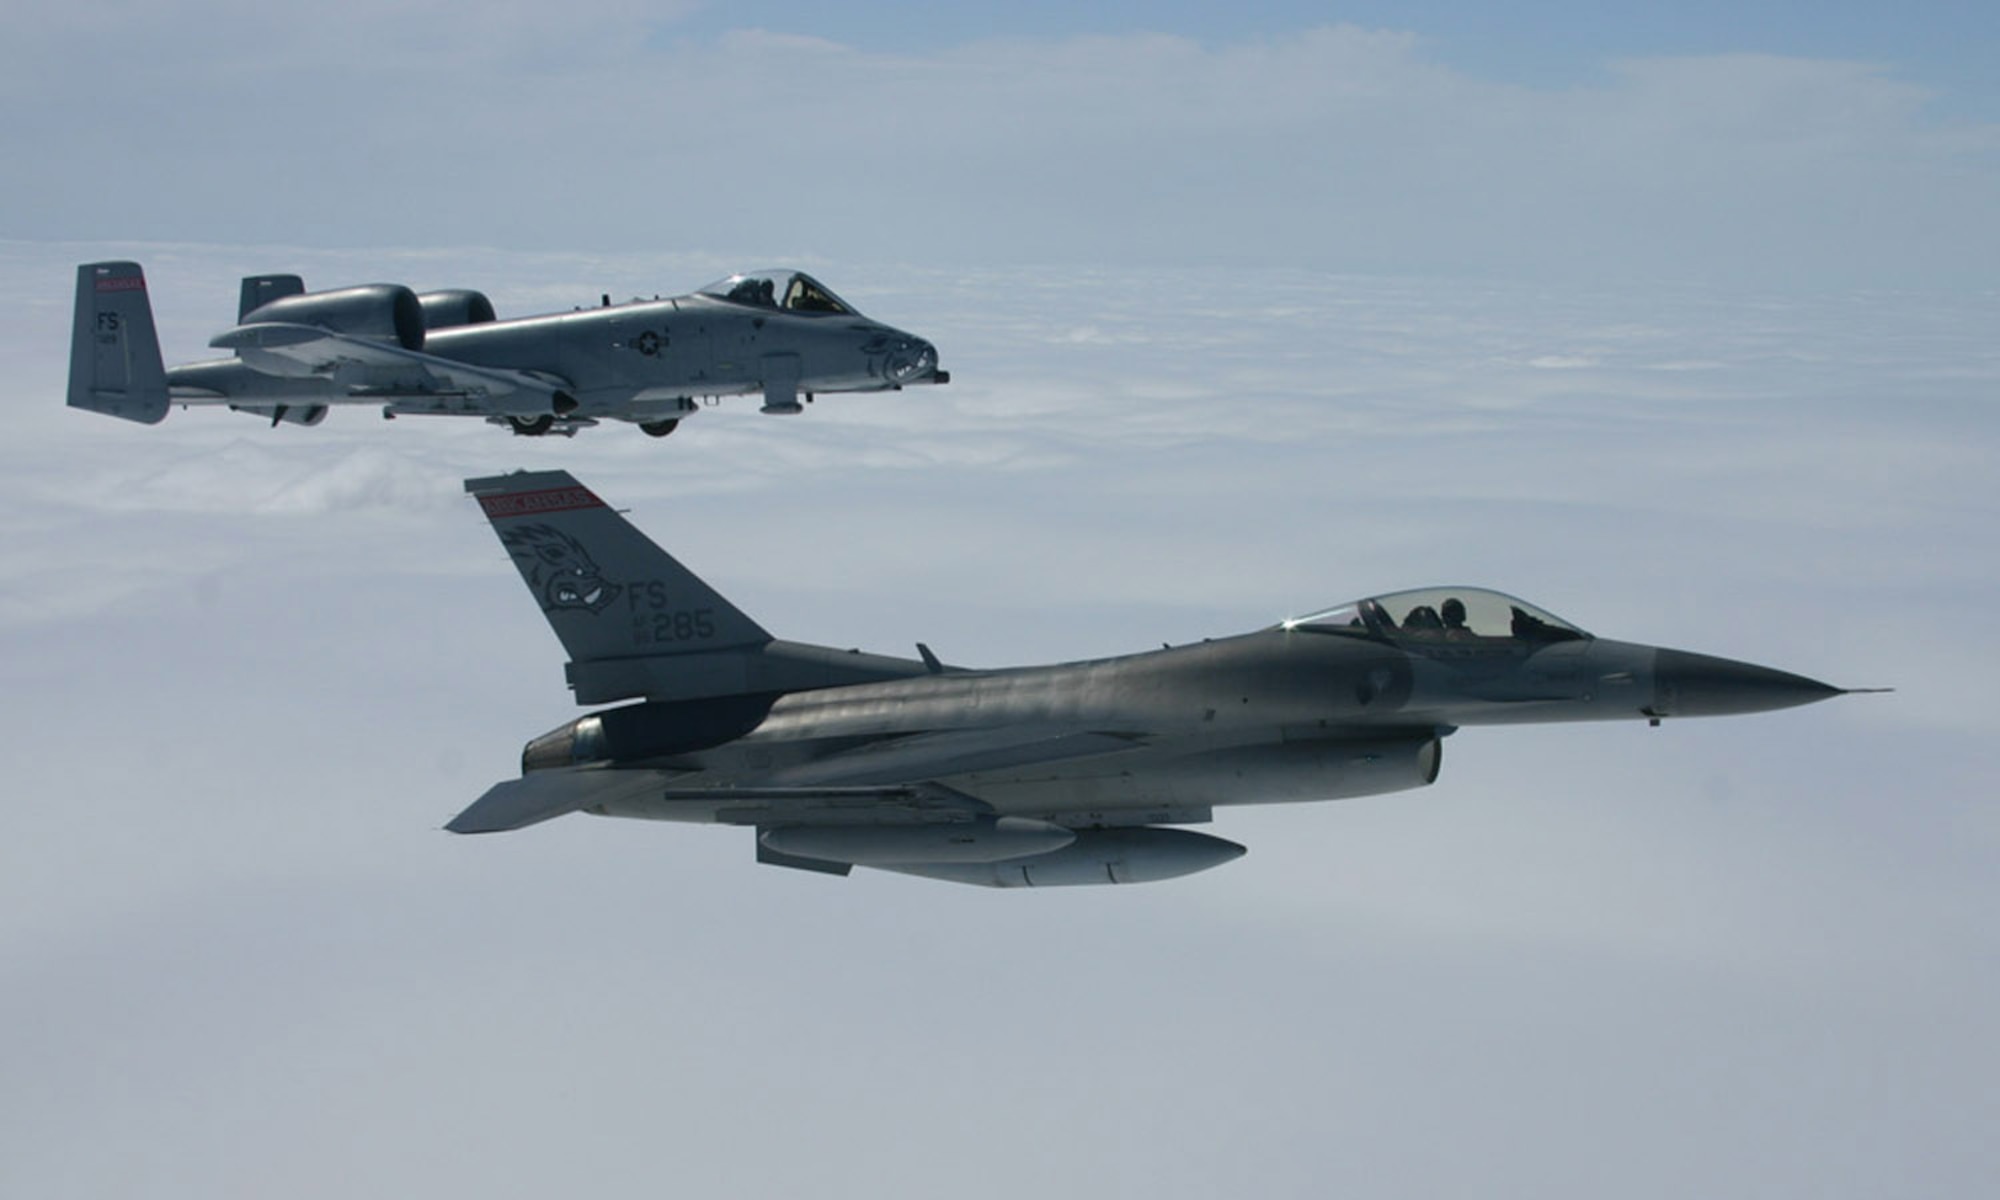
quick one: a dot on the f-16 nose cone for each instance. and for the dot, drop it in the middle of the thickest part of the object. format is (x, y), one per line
(1698, 685)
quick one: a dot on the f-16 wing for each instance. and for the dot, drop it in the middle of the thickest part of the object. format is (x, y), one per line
(893, 782)
(370, 369)
(545, 795)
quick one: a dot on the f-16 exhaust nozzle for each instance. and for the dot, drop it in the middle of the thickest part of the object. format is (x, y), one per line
(1699, 685)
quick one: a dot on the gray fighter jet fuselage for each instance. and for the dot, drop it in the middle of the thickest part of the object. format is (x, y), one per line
(1070, 773)
(781, 335)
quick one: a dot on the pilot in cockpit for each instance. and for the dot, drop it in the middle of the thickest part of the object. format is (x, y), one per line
(1452, 611)
(802, 296)
(755, 291)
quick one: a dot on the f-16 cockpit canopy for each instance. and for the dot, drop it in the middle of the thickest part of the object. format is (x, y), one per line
(1443, 614)
(789, 291)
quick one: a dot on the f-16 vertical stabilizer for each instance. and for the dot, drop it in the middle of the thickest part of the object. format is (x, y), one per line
(607, 589)
(634, 620)
(114, 354)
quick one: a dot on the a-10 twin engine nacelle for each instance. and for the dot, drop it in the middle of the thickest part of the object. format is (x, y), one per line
(383, 312)
(454, 307)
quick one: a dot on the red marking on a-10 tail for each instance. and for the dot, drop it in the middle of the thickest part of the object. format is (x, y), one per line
(528, 504)
(122, 283)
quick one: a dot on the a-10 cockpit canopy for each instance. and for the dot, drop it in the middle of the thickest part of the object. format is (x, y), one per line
(788, 291)
(1442, 614)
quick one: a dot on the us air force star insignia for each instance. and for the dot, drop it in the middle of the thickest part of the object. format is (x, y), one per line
(648, 343)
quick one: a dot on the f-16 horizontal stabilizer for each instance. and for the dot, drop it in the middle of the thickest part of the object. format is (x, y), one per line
(114, 353)
(545, 795)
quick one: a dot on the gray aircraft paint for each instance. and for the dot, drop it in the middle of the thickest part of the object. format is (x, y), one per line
(780, 335)
(1029, 776)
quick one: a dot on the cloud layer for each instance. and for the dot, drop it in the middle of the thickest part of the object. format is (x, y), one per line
(249, 671)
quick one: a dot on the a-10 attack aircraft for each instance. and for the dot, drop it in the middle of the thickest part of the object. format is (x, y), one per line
(1031, 776)
(779, 334)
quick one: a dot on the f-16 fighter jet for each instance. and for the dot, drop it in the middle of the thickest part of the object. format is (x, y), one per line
(782, 335)
(1076, 773)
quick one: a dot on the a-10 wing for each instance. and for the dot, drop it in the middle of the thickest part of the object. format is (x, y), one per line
(370, 369)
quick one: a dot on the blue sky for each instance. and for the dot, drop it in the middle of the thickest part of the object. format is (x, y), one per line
(1949, 43)
(1759, 151)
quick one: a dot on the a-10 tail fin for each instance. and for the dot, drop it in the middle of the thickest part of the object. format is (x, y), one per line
(114, 353)
(259, 290)
(634, 620)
